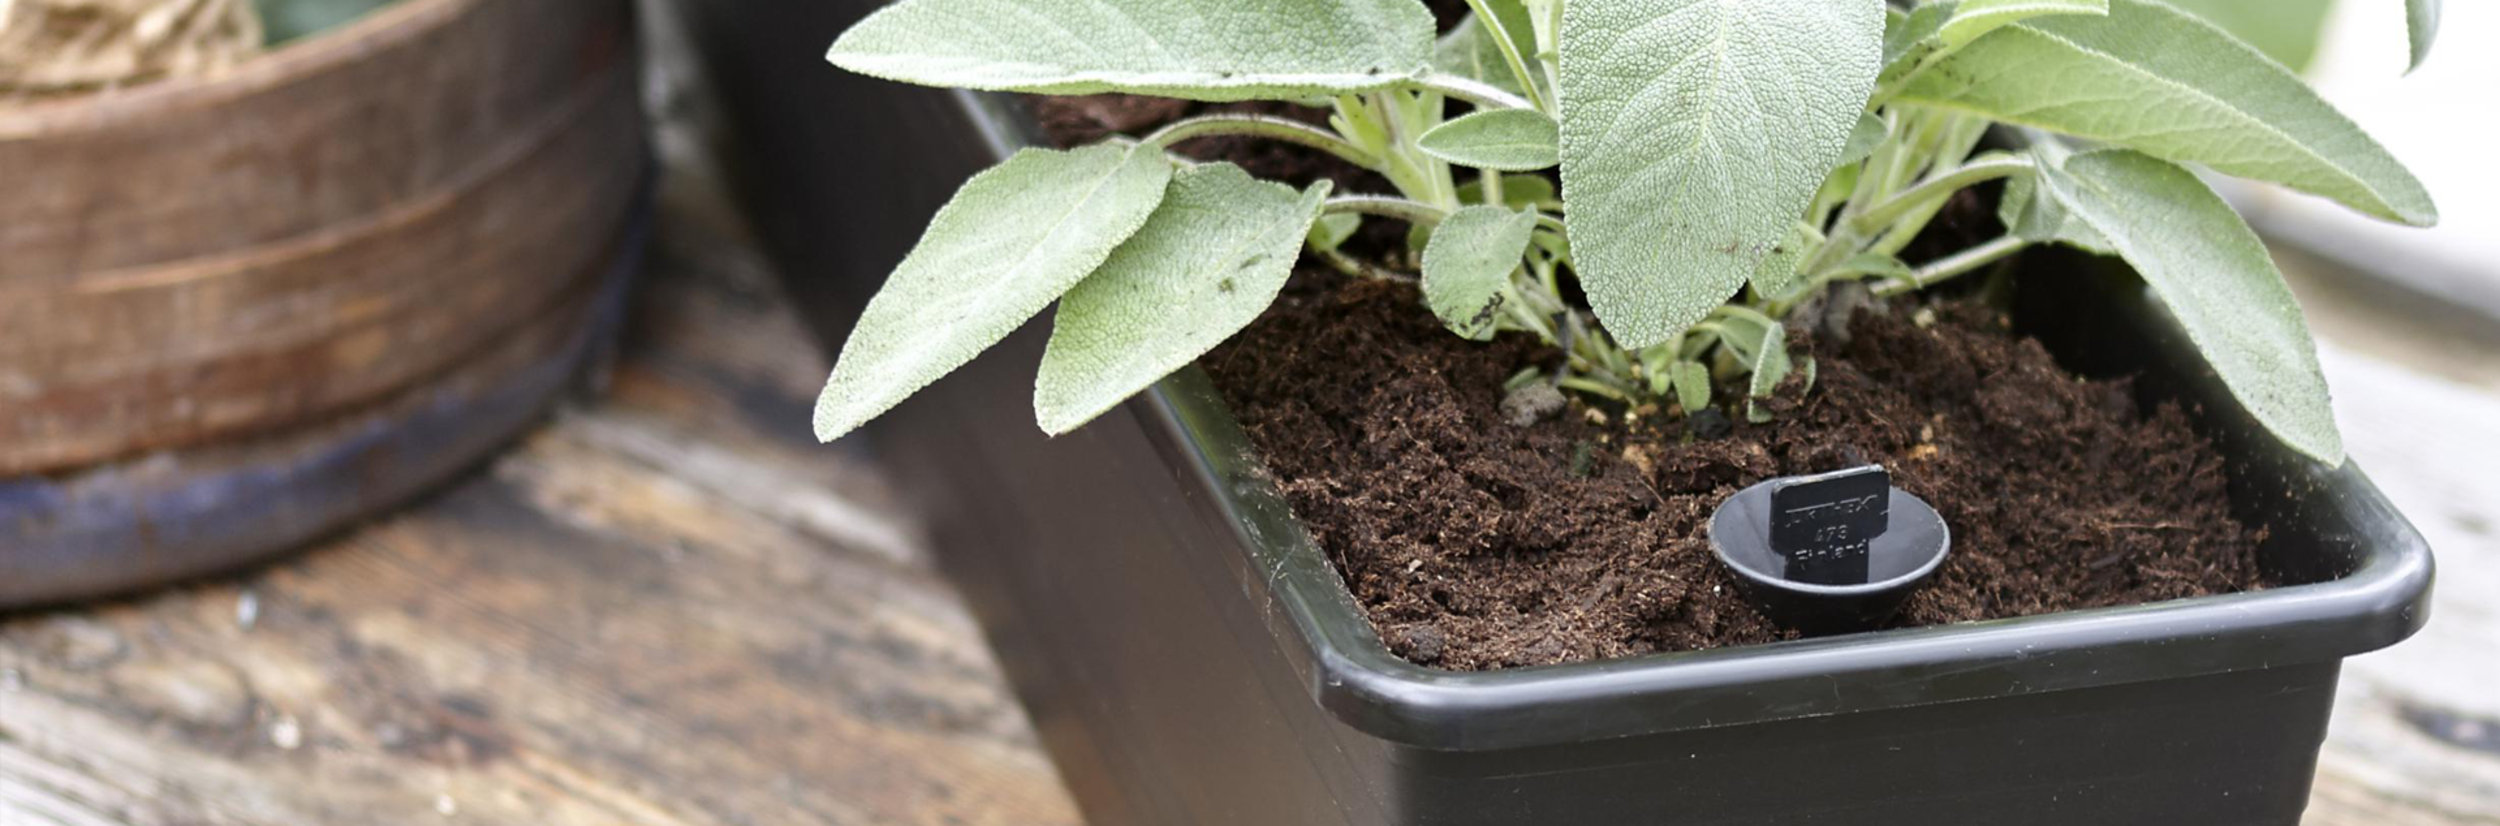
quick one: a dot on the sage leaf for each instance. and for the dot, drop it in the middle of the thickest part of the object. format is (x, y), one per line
(1777, 274)
(1864, 138)
(1878, 264)
(1770, 367)
(2286, 30)
(1468, 263)
(2209, 268)
(2162, 81)
(1214, 50)
(1694, 132)
(1518, 191)
(1910, 37)
(1012, 239)
(2421, 27)
(1211, 258)
(2044, 220)
(1692, 386)
(1507, 140)
(1972, 18)
(1469, 49)
(1331, 231)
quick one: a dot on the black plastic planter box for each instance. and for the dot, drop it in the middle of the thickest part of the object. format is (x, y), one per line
(1190, 658)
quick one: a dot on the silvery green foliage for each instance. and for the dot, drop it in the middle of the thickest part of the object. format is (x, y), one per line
(2286, 30)
(1331, 231)
(1969, 19)
(1692, 385)
(2156, 79)
(2046, 220)
(1694, 133)
(1468, 264)
(1864, 137)
(1211, 258)
(2214, 274)
(1269, 49)
(1470, 50)
(1704, 145)
(1509, 140)
(1777, 274)
(2422, 24)
(1010, 241)
(1770, 366)
(1522, 192)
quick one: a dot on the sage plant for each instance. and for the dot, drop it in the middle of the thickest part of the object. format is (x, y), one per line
(1721, 164)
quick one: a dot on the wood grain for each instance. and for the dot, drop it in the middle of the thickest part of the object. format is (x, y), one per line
(2416, 736)
(668, 607)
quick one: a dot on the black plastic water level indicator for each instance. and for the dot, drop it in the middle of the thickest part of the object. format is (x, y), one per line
(1832, 552)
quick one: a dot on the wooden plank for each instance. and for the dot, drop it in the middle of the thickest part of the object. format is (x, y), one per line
(2416, 737)
(668, 607)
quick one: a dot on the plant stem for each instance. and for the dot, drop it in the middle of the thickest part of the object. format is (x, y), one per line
(1956, 264)
(1935, 188)
(1510, 54)
(1346, 264)
(1410, 211)
(1483, 95)
(1263, 126)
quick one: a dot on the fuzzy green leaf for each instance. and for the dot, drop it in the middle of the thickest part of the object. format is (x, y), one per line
(1878, 264)
(1468, 263)
(1864, 138)
(2159, 80)
(1012, 239)
(2286, 30)
(1692, 385)
(1694, 132)
(1972, 18)
(1204, 50)
(1518, 191)
(1770, 367)
(1331, 231)
(1212, 258)
(1910, 38)
(1469, 49)
(2215, 276)
(1508, 140)
(2045, 220)
(1777, 275)
(2422, 26)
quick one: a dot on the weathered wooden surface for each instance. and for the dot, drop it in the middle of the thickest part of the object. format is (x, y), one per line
(344, 218)
(2416, 736)
(668, 607)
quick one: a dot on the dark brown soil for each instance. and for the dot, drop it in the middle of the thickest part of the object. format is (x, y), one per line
(1475, 544)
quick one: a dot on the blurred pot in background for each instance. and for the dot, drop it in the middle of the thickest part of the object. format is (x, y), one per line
(243, 305)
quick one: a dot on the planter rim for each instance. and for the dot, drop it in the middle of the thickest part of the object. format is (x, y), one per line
(1339, 658)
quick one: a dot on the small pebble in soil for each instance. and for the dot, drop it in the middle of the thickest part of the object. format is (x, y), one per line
(1531, 404)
